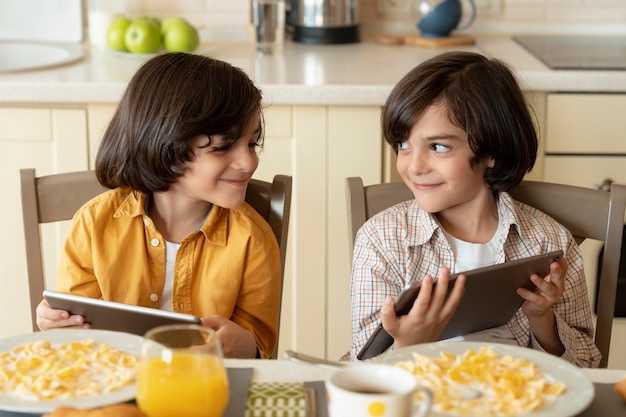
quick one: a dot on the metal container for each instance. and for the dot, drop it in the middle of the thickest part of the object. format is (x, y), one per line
(324, 21)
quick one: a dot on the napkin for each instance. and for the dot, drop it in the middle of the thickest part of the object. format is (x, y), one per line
(270, 399)
(294, 399)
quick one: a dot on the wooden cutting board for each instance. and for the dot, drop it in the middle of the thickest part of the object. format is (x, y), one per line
(416, 40)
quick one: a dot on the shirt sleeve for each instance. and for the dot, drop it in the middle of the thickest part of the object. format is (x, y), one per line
(573, 315)
(375, 275)
(258, 303)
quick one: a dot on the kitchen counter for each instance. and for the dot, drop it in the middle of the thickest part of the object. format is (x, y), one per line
(353, 74)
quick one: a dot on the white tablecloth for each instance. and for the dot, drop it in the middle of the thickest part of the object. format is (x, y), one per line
(283, 370)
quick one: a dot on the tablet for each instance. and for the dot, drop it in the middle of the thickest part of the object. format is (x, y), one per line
(490, 299)
(110, 315)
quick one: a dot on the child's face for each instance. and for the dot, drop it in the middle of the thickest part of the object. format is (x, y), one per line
(435, 164)
(219, 171)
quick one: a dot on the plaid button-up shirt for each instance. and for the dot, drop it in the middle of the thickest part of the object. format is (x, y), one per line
(404, 243)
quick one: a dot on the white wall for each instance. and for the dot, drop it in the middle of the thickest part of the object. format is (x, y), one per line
(232, 17)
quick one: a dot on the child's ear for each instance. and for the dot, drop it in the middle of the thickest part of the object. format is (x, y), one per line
(491, 162)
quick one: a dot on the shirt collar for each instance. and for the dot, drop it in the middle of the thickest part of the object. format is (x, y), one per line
(214, 228)
(422, 225)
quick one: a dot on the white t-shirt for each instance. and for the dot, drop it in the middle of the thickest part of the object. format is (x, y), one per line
(170, 259)
(476, 255)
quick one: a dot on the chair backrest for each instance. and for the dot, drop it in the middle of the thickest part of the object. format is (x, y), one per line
(273, 202)
(57, 197)
(586, 213)
(49, 199)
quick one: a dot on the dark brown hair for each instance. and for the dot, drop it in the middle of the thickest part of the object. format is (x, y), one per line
(483, 98)
(172, 99)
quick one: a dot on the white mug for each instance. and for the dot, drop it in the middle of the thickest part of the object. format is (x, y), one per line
(376, 390)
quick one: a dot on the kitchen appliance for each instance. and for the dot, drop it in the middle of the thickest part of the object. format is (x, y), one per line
(437, 18)
(564, 52)
(324, 21)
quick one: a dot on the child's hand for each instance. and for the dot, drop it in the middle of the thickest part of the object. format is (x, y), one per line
(236, 341)
(50, 318)
(429, 315)
(549, 290)
(537, 306)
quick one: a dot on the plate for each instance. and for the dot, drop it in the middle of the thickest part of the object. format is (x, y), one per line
(578, 394)
(126, 342)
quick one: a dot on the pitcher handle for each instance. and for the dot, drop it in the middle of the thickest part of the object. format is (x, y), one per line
(425, 403)
(472, 17)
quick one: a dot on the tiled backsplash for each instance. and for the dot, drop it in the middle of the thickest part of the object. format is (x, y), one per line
(232, 17)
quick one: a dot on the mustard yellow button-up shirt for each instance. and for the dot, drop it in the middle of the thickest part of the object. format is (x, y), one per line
(230, 266)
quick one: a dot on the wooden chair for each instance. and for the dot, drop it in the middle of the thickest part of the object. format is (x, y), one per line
(585, 212)
(57, 197)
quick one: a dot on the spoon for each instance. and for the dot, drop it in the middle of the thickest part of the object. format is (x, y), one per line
(312, 360)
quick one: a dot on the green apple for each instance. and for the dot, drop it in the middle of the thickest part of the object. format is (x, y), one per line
(142, 37)
(179, 35)
(116, 33)
(151, 19)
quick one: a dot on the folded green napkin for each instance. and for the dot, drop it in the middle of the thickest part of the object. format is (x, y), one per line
(276, 399)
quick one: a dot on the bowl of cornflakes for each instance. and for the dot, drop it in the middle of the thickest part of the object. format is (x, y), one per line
(492, 379)
(42, 371)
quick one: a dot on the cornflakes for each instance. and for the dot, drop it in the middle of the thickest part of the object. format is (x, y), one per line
(483, 383)
(40, 371)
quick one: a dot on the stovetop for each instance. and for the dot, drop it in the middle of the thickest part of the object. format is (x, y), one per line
(577, 52)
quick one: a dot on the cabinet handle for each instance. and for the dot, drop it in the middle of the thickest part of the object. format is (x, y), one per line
(605, 185)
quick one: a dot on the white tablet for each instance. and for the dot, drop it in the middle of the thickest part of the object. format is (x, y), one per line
(110, 315)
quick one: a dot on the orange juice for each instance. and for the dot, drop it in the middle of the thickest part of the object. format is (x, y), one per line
(185, 385)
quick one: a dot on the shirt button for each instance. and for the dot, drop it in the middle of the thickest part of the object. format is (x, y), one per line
(155, 242)
(154, 297)
(146, 221)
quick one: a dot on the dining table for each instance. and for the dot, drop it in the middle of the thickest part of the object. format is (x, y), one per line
(606, 402)
(244, 373)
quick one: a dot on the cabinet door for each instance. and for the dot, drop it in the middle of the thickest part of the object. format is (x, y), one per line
(355, 148)
(98, 117)
(586, 123)
(51, 140)
(586, 170)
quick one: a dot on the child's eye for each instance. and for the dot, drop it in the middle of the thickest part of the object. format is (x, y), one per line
(220, 148)
(439, 148)
(403, 146)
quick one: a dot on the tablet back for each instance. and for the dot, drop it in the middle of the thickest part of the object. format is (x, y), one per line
(490, 299)
(110, 315)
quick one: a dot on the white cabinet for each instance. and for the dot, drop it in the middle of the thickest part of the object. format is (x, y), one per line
(586, 145)
(319, 146)
(51, 140)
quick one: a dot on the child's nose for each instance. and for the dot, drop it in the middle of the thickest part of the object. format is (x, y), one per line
(418, 163)
(246, 159)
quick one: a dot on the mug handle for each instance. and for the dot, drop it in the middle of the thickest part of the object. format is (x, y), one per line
(472, 17)
(425, 403)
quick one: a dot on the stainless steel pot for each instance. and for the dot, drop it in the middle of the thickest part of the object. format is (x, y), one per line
(324, 21)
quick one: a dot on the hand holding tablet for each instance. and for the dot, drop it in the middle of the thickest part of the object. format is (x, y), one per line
(490, 299)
